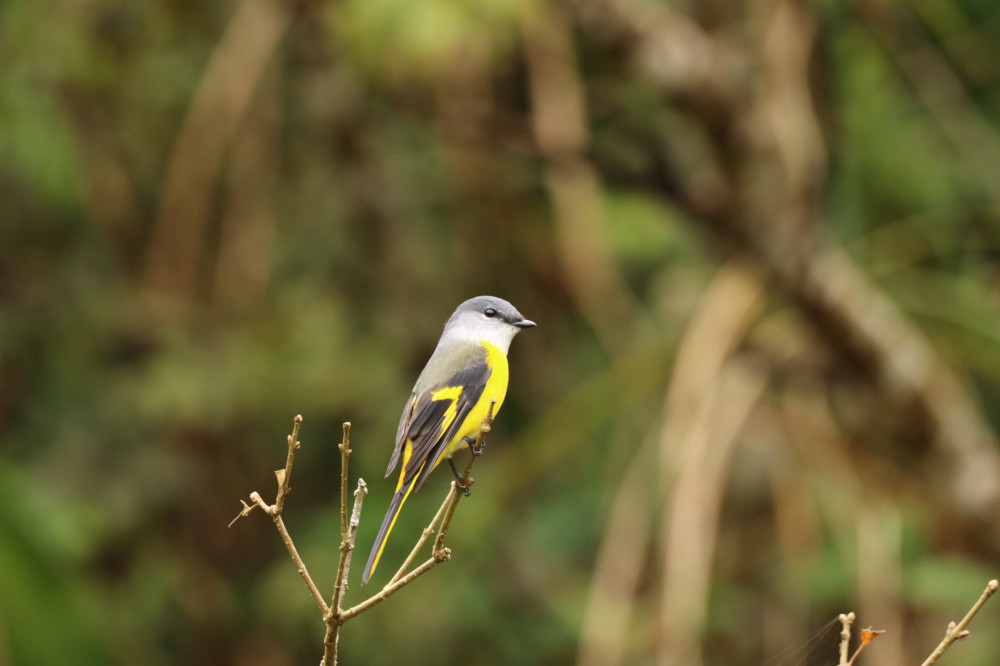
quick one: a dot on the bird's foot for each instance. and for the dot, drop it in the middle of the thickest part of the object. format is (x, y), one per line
(476, 451)
(466, 488)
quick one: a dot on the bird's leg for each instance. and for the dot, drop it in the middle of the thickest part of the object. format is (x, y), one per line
(464, 487)
(471, 441)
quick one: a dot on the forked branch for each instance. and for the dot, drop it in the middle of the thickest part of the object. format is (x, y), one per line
(284, 477)
(333, 613)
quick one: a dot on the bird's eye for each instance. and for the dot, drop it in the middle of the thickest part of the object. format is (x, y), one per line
(490, 312)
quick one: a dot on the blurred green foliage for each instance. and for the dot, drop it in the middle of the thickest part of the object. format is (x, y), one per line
(385, 166)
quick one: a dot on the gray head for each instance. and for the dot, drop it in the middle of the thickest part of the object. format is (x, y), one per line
(484, 318)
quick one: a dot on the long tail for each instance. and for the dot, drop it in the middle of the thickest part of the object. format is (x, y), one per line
(383, 533)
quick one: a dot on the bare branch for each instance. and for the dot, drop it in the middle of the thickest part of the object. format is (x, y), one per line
(299, 564)
(345, 454)
(334, 618)
(285, 476)
(274, 510)
(392, 588)
(846, 620)
(959, 631)
(426, 534)
(346, 543)
(247, 508)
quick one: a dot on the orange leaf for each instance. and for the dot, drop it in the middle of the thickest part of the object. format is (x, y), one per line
(869, 634)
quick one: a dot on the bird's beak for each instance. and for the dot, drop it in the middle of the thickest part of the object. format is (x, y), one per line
(524, 323)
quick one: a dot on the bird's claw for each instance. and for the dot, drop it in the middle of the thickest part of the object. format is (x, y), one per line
(475, 450)
(466, 488)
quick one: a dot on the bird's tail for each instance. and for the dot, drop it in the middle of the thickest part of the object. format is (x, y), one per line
(383, 533)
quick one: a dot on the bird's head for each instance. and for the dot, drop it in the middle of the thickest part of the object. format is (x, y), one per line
(487, 318)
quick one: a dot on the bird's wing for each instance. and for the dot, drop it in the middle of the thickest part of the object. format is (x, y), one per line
(401, 429)
(433, 416)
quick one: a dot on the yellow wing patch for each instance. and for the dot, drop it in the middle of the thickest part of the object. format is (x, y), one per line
(448, 393)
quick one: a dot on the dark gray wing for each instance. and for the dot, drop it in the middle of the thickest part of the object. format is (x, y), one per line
(424, 423)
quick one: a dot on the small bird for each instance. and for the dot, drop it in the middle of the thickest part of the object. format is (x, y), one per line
(452, 395)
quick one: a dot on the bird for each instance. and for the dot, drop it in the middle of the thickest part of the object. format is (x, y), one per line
(450, 399)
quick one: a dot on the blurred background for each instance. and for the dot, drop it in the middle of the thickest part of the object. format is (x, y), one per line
(760, 239)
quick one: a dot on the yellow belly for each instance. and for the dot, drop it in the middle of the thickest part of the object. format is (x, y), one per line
(496, 388)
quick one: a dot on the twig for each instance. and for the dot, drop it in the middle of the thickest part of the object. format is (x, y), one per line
(299, 564)
(390, 589)
(346, 543)
(846, 620)
(334, 619)
(284, 477)
(467, 480)
(438, 555)
(348, 534)
(958, 631)
(345, 454)
(427, 532)
(867, 636)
